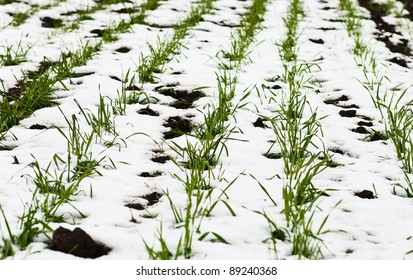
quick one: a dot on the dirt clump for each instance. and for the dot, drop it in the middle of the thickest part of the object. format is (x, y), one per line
(77, 243)
(348, 113)
(365, 194)
(49, 22)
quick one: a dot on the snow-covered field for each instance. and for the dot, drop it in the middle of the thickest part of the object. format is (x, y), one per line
(124, 203)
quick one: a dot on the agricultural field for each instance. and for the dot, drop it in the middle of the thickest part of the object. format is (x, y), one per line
(206, 129)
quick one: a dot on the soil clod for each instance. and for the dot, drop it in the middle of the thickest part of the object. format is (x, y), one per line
(317, 41)
(273, 155)
(148, 111)
(178, 125)
(376, 136)
(15, 160)
(77, 243)
(115, 78)
(259, 123)
(335, 101)
(185, 98)
(337, 150)
(348, 113)
(361, 130)
(363, 123)
(150, 174)
(13, 93)
(38, 127)
(98, 32)
(152, 198)
(160, 159)
(123, 50)
(136, 206)
(366, 194)
(400, 61)
(49, 22)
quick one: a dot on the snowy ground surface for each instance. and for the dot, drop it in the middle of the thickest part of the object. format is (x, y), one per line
(359, 228)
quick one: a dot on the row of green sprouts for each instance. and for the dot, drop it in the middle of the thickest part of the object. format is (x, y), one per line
(199, 159)
(392, 102)
(298, 142)
(59, 183)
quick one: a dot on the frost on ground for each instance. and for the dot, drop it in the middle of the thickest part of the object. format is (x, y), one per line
(137, 185)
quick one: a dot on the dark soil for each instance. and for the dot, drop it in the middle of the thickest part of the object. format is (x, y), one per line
(38, 126)
(317, 41)
(377, 12)
(333, 164)
(337, 150)
(259, 123)
(126, 11)
(400, 61)
(151, 174)
(376, 136)
(279, 234)
(276, 87)
(160, 159)
(327, 28)
(226, 24)
(136, 206)
(115, 78)
(152, 198)
(335, 101)
(366, 194)
(123, 50)
(185, 98)
(13, 93)
(181, 104)
(361, 130)
(49, 22)
(328, 8)
(71, 13)
(408, 5)
(43, 67)
(148, 111)
(98, 32)
(348, 113)
(77, 243)
(366, 118)
(15, 160)
(363, 123)
(169, 85)
(273, 155)
(133, 88)
(351, 106)
(79, 75)
(178, 125)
